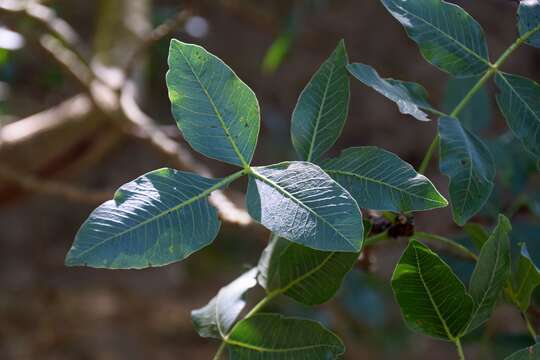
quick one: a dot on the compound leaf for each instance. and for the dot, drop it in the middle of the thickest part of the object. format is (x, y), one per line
(448, 37)
(217, 317)
(527, 278)
(321, 111)
(411, 98)
(529, 21)
(466, 160)
(519, 101)
(217, 113)
(269, 336)
(380, 180)
(157, 219)
(432, 299)
(309, 276)
(490, 273)
(300, 202)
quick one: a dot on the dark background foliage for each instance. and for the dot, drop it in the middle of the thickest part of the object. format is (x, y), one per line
(48, 311)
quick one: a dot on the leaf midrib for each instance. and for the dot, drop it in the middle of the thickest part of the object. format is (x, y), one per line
(463, 46)
(348, 173)
(217, 112)
(290, 196)
(277, 350)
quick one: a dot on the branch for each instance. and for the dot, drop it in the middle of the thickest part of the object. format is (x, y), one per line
(69, 192)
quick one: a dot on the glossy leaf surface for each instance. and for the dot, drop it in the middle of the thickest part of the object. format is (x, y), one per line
(300, 202)
(466, 160)
(269, 336)
(217, 113)
(519, 101)
(157, 219)
(411, 98)
(380, 180)
(218, 316)
(490, 273)
(448, 37)
(432, 299)
(321, 111)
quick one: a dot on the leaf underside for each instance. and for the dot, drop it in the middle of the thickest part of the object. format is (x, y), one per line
(157, 219)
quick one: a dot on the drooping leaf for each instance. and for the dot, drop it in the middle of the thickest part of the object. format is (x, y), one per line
(217, 113)
(467, 162)
(477, 234)
(530, 353)
(300, 202)
(529, 21)
(157, 219)
(380, 180)
(321, 111)
(448, 37)
(526, 279)
(519, 101)
(309, 276)
(478, 113)
(432, 299)
(216, 319)
(269, 336)
(490, 273)
(411, 98)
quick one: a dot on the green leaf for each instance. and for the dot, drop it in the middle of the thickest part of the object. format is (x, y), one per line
(432, 299)
(380, 180)
(411, 98)
(529, 20)
(217, 113)
(448, 37)
(477, 114)
(530, 353)
(216, 318)
(300, 202)
(309, 276)
(321, 111)
(527, 278)
(269, 336)
(157, 219)
(490, 273)
(466, 160)
(519, 101)
(477, 234)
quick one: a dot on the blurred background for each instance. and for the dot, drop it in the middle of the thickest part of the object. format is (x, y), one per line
(84, 109)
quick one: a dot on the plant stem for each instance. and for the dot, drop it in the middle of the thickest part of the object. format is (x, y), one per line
(220, 351)
(494, 68)
(530, 328)
(459, 348)
(462, 249)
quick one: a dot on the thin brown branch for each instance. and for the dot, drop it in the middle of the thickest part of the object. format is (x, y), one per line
(160, 32)
(42, 186)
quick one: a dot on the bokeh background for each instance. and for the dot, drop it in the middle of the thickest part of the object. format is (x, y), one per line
(48, 311)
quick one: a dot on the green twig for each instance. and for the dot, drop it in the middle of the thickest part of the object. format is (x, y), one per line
(459, 348)
(451, 243)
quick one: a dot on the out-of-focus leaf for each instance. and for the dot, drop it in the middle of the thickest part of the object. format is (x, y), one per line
(477, 234)
(466, 160)
(448, 37)
(380, 180)
(432, 299)
(526, 279)
(411, 98)
(530, 353)
(477, 114)
(157, 219)
(277, 51)
(269, 336)
(529, 20)
(217, 113)
(519, 101)
(321, 111)
(218, 316)
(300, 202)
(491, 273)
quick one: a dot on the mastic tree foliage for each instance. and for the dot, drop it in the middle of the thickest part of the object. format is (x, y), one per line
(312, 205)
